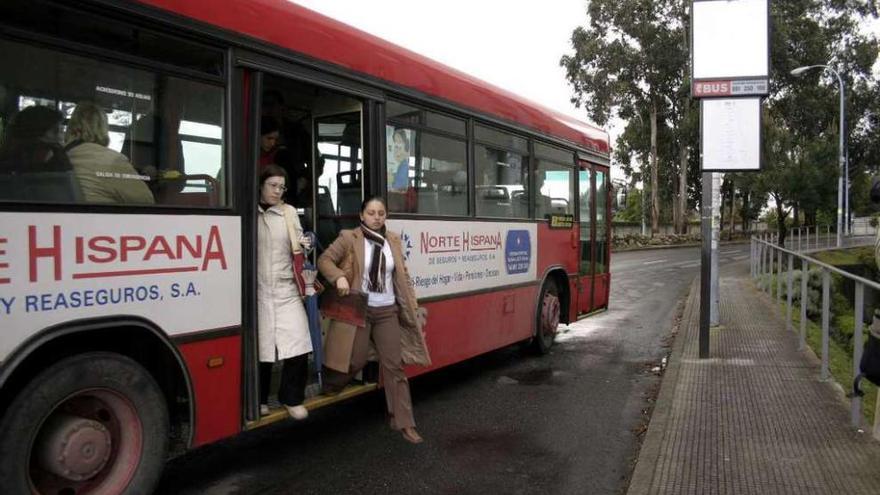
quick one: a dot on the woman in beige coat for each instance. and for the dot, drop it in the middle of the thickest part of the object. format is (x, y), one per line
(370, 259)
(283, 327)
(104, 175)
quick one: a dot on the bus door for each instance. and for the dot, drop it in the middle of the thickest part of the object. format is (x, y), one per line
(602, 244)
(314, 134)
(586, 200)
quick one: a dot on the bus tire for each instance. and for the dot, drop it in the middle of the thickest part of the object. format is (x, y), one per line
(547, 317)
(91, 423)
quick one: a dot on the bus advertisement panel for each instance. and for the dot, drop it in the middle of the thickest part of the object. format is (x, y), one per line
(56, 268)
(447, 258)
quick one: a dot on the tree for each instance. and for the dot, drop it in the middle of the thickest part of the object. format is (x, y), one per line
(629, 62)
(802, 113)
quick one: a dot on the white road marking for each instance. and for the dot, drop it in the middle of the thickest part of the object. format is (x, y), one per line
(730, 252)
(654, 262)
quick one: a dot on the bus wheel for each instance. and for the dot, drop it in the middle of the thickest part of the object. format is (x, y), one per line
(547, 317)
(92, 423)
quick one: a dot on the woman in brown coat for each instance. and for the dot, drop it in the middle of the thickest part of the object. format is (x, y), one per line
(370, 259)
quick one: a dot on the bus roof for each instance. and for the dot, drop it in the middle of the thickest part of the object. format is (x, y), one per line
(294, 27)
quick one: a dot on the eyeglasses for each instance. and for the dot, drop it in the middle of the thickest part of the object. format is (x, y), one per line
(279, 187)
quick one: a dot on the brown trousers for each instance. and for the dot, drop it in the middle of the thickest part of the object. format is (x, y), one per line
(383, 328)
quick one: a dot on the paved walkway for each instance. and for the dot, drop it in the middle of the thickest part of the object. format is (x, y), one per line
(754, 418)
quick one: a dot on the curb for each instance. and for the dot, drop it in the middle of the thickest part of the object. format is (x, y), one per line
(643, 474)
(674, 246)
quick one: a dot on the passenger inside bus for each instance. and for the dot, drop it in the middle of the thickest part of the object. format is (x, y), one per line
(269, 138)
(104, 175)
(315, 135)
(33, 165)
(543, 203)
(292, 143)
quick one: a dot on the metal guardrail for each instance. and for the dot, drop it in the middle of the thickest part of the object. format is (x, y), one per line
(809, 238)
(767, 258)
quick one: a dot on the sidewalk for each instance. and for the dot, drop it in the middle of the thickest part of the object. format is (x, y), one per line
(754, 418)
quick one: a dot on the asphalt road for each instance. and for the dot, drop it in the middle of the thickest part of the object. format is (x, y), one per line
(506, 422)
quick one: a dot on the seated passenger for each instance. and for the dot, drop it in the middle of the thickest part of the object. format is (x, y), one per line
(269, 135)
(543, 203)
(104, 175)
(33, 165)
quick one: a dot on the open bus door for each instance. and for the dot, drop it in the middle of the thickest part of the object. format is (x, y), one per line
(602, 230)
(585, 227)
(316, 135)
(594, 202)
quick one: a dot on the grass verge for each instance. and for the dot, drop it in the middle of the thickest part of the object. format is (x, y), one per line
(840, 362)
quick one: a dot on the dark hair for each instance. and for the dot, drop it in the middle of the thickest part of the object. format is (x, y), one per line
(32, 123)
(270, 171)
(370, 200)
(268, 125)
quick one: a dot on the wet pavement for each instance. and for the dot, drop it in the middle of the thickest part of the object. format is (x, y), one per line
(505, 422)
(753, 417)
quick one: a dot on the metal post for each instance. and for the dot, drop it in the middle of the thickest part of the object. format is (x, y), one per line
(766, 262)
(841, 185)
(761, 249)
(705, 264)
(856, 406)
(714, 310)
(779, 275)
(826, 319)
(752, 258)
(805, 297)
(770, 259)
(828, 238)
(788, 293)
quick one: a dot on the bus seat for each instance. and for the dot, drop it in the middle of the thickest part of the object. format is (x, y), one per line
(493, 201)
(328, 223)
(50, 187)
(173, 191)
(325, 201)
(348, 190)
(558, 206)
(428, 201)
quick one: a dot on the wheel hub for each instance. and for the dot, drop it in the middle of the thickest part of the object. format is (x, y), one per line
(73, 447)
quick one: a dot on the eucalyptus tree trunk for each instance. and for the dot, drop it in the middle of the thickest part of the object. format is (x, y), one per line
(655, 197)
(681, 226)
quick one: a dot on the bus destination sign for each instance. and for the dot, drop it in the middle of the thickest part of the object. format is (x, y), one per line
(561, 221)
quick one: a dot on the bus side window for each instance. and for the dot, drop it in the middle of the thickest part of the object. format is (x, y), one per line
(124, 135)
(426, 168)
(501, 172)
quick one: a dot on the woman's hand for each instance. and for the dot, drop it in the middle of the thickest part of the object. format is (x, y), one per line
(342, 286)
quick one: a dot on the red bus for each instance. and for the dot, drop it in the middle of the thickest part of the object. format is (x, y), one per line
(128, 290)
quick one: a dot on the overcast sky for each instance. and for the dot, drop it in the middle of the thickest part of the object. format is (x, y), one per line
(514, 44)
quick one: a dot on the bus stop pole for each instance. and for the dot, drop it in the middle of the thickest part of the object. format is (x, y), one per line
(705, 264)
